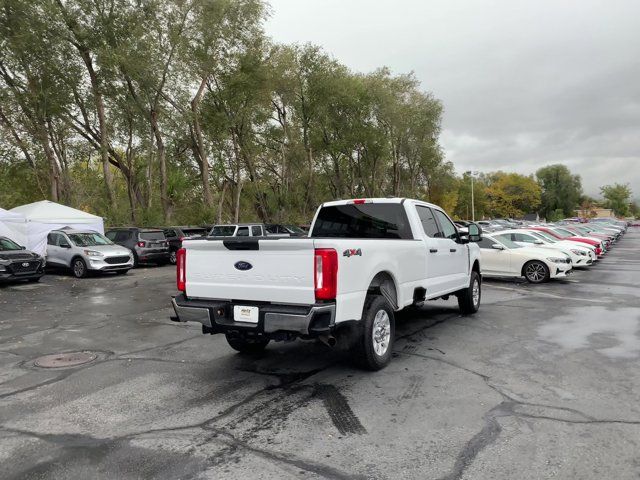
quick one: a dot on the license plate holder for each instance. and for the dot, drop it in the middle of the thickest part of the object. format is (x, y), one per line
(246, 314)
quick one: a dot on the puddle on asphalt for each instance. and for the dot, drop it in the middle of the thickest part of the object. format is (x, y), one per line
(590, 327)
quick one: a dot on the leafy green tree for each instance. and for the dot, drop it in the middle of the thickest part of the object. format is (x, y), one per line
(512, 194)
(560, 191)
(480, 202)
(618, 197)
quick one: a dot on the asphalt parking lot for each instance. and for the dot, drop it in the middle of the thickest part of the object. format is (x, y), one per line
(542, 383)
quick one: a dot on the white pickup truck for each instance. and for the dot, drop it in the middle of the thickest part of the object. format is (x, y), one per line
(364, 259)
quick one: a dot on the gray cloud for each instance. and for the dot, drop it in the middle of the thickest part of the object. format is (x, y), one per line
(524, 84)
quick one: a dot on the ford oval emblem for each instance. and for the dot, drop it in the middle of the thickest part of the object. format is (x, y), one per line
(243, 266)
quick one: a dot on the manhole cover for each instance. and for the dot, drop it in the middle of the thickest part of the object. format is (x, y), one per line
(60, 360)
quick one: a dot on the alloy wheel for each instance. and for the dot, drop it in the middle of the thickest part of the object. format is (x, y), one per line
(381, 332)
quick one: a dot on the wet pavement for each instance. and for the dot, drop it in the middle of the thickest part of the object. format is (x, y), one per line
(542, 383)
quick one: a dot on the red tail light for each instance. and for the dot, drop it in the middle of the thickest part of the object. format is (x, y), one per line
(326, 273)
(181, 270)
(142, 244)
(359, 201)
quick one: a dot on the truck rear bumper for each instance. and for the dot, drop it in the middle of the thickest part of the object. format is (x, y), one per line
(217, 316)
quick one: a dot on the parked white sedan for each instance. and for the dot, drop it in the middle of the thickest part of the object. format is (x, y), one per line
(501, 257)
(580, 257)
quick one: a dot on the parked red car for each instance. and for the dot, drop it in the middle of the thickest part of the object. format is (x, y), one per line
(598, 245)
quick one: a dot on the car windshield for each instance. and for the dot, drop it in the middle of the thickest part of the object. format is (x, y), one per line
(543, 236)
(294, 229)
(152, 235)
(89, 239)
(563, 232)
(7, 245)
(194, 232)
(506, 241)
(223, 231)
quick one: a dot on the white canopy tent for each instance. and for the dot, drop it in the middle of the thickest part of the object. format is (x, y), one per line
(42, 217)
(11, 225)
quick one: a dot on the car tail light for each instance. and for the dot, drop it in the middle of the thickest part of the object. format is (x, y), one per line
(326, 273)
(181, 270)
(359, 201)
(142, 244)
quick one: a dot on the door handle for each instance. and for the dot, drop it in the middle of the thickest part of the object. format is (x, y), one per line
(452, 250)
(433, 250)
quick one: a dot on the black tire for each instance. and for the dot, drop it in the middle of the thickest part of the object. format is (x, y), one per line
(79, 268)
(33, 280)
(469, 298)
(244, 344)
(121, 272)
(536, 271)
(374, 345)
(172, 257)
(136, 263)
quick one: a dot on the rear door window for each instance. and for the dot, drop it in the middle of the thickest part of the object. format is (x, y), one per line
(122, 236)
(367, 220)
(223, 231)
(243, 232)
(429, 224)
(256, 231)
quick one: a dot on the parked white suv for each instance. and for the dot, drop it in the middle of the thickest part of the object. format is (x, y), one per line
(365, 260)
(85, 250)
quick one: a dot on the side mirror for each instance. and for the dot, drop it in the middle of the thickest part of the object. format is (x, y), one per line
(22, 248)
(497, 246)
(475, 232)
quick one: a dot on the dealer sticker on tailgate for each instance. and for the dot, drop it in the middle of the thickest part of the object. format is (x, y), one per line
(245, 314)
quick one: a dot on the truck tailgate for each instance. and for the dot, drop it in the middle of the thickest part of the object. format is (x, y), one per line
(263, 270)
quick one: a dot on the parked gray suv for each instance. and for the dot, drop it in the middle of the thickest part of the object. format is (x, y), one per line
(149, 245)
(85, 250)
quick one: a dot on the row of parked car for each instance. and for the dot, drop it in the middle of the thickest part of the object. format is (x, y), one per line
(118, 250)
(540, 252)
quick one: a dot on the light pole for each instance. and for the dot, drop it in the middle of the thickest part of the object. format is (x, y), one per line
(473, 206)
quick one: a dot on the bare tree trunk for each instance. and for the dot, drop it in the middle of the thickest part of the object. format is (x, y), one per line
(162, 162)
(102, 123)
(236, 209)
(223, 193)
(202, 153)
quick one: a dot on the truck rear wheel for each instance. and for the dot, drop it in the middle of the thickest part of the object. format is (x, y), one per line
(374, 345)
(469, 298)
(244, 344)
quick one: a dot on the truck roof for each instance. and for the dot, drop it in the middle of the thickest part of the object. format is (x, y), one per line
(377, 200)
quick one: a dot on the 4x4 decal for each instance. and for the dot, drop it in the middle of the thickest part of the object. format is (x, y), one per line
(350, 252)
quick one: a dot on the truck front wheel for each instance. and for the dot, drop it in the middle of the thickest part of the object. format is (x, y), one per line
(244, 344)
(374, 345)
(469, 298)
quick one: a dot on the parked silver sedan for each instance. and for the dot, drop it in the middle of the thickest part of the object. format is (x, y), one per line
(86, 250)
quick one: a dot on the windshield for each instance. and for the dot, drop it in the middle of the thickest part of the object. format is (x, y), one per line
(223, 231)
(564, 232)
(89, 239)
(294, 229)
(543, 236)
(6, 245)
(194, 232)
(153, 235)
(505, 239)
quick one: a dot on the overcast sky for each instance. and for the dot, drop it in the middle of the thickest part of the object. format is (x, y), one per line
(524, 83)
